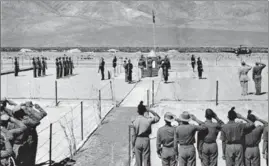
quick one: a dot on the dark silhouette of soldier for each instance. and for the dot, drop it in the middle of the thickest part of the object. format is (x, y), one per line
(193, 61)
(39, 66)
(200, 68)
(125, 70)
(129, 68)
(34, 67)
(114, 64)
(257, 76)
(57, 68)
(44, 66)
(60, 67)
(71, 66)
(141, 65)
(166, 66)
(150, 66)
(102, 68)
(64, 67)
(17, 68)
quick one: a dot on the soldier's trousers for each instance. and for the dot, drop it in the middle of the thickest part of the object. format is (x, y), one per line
(39, 72)
(187, 155)
(258, 82)
(126, 77)
(210, 154)
(142, 151)
(102, 74)
(34, 72)
(234, 155)
(57, 73)
(20, 154)
(193, 66)
(43, 71)
(252, 156)
(244, 86)
(60, 72)
(32, 145)
(200, 73)
(71, 71)
(129, 77)
(165, 75)
(16, 71)
(64, 71)
(168, 157)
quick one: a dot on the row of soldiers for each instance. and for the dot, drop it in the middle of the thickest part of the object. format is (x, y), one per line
(39, 67)
(64, 67)
(175, 144)
(19, 138)
(199, 66)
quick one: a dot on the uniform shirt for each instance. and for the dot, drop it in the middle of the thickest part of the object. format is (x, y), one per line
(185, 133)
(253, 137)
(192, 60)
(166, 65)
(102, 65)
(16, 64)
(143, 124)
(233, 132)
(44, 64)
(57, 64)
(38, 64)
(243, 73)
(129, 67)
(211, 134)
(34, 64)
(165, 137)
(114, 62)
(60, 64)
(199, 65)
(257, 71)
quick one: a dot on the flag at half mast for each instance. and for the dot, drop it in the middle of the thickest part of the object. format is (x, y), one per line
(153, 16)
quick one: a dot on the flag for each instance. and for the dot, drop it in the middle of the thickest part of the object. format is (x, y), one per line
(153, 16)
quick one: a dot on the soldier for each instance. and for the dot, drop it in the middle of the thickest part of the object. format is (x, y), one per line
(265, 144)
(206, 145)
(71, 65)
(67, 66)
(64, 67)
(102, 68)
(141, 65)
(150, 61)
(125, 70)
(39, 66)
(193, 61)
(166, 66)
(6, 150)
(60, 68)
(57, 68)
(17, 68)
(34, 67)
(257, 77)
(232, 135)
(129, 69)
(252, 140)
(166, 143)
(114, 64)
(200, 68)
(243, 77)
(44, 66)
(140, 135)
(185, 136)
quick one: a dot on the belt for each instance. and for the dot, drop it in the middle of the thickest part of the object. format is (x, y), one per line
(143, 136)
(210, 142)
(251, 146)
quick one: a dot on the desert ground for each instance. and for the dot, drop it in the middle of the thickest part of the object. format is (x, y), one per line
(183, 92)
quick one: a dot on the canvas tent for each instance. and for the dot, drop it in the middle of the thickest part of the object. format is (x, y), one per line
(74, 51)
(112, 50)
(152, 54)
(25, 50)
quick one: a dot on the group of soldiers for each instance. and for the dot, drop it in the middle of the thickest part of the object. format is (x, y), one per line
(199, 66)
(39, 67)
(19, 138)
(175, 143)
(64, 67)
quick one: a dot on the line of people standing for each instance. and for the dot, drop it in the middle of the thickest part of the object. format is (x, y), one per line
(39, 66)
(199, 66)
(64, 67)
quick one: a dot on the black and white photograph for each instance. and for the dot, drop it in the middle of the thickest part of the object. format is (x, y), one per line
(134, 83)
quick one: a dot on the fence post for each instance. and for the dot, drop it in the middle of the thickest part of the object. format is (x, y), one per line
(50, 148)
(152, 92)
(148, 98)
(81, 120)
(129, 148)
(56, 93)
(100, 108)
(217, 92)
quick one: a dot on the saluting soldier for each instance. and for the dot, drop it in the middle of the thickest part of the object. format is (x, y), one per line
(17, 68)
(166, 66)
(60, 68)
(150, 66)
(206, 144)
(252, 140)
(185, 136)
(34, 67)
(243, 77)
(114, 64)
(102, 68)
(129, 68)
(193, 61)
(140, 136)
(166, 143)
(57, 68)
(44, 66)
(232, 136)
(265, 144)
(200, 68)
(71, 65)
(39, 66)
(257, 76)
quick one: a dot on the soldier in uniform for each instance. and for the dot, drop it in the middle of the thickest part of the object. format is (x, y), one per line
(6, 150)
(252, 139)
(166, 66)
(140, 136)
(64, 67)
(232, 136)
(67, 66)
(34, 67)
(206, 144)
(200, 68)
(150, 66)
(141, 65)
(39, 66)
(125, 71)
(102, 68)
(257, 77)
(193, 61)
(114, 64)
(129, 69)
(265, 144)
(243, 77)
(185, 136)
(71, 66)
(166, 143)
(17, 68)
(44, 66)
(57, 68)
(60, 68)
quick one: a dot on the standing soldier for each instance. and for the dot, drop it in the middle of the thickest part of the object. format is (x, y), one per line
(252, 139)
(265, 144)
(232, 135)
(39, 66)
(257, 76)
(140, 136)
(243, 77)
(129, 68)
(193, 61)
(200, 68)
(17, 68)
(166, 66)
(206, 145)
(185, 136)
(44, 66)
(141, 66)
(60, 68)
(34, 67)
(102, 68)
(114, 62)
(125, 70)
(71, 65)
(166, 143)
(150, 61)
(57, 68)
(64, 67)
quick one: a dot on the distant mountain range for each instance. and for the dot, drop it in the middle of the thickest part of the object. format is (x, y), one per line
(129, 23)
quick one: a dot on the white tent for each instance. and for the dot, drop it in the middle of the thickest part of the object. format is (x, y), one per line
(152, 54)
(25, 50)
(74, 51)
(172, 51)
(112, 50)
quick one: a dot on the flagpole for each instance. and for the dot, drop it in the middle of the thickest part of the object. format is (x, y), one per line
(153, 24)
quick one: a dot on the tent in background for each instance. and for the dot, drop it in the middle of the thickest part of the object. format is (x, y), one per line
(74, 51)
(25, 50)
(112, 50)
